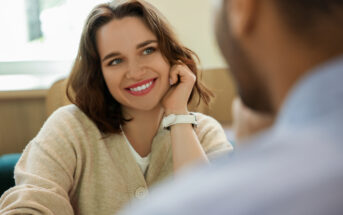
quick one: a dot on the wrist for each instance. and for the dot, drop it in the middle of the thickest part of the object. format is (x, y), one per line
(181, 126)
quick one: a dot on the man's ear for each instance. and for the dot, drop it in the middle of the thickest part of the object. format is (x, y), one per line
(241, 16)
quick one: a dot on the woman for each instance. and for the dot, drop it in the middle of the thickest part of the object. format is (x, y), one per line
(129, 126)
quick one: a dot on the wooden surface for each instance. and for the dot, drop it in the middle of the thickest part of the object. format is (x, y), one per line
(22, 94)
(21, 116)
(221, 84)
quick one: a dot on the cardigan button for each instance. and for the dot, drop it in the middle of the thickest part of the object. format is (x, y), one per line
(141, 193)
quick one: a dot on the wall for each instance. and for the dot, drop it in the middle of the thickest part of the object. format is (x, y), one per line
(193, 22)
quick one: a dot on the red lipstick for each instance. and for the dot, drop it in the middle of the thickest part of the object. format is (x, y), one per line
(141, 88)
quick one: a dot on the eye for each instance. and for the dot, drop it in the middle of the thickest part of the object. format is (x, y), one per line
(148, 50)
(116, 61)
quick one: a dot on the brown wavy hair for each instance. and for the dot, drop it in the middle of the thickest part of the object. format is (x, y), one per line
(86, 86)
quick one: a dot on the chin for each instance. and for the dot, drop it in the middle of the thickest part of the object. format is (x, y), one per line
(145, 107)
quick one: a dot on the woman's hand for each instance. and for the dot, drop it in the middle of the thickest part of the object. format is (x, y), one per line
(182, 80)
(185, 143)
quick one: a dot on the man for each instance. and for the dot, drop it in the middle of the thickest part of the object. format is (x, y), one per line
(287, 59)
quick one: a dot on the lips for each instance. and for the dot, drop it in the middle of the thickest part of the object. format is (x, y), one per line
(141, 88)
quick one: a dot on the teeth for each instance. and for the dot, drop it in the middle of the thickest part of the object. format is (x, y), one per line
(142, 87)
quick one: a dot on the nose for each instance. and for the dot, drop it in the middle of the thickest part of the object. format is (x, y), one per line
(135, 71)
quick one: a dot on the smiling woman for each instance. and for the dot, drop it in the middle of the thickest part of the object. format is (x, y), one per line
(128, 126)
(124, 32)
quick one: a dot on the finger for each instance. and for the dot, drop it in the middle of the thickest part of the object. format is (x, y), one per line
(174, 73)
(180, 62)
(186, 75)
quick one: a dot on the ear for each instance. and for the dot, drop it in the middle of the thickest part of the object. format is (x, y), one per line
(241, 16)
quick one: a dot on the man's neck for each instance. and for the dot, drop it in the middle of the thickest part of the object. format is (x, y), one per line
(289, 66)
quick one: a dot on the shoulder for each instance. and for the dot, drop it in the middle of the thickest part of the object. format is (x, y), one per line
(207, 125)
(67, 112)
(70, 114)
(212, 136)
(203, 117)
(205, 121)
(67, 120)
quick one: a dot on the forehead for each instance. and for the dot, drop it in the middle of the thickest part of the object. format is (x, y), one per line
(122, 34)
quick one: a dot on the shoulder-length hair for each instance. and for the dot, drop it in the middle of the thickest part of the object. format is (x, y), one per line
(86, 87)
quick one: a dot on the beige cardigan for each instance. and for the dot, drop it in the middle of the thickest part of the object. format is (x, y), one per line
(68, 168)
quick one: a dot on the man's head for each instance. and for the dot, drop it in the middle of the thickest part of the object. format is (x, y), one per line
(270, 44)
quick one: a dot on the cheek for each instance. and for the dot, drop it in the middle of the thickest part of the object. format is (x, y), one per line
(165, 74)
(112, 81)
(166, 70)
(164, 66)
(165, 79)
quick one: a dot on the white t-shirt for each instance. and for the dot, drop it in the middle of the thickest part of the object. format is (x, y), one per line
(143, 163)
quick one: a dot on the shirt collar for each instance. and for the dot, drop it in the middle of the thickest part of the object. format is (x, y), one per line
(318, 94)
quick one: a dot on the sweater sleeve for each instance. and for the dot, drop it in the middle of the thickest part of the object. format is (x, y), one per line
(212, 136)
(44, 174)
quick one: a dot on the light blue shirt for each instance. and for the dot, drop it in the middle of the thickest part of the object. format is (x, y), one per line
(294, 168)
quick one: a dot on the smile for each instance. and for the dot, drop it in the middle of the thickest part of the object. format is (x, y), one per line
(141, 88)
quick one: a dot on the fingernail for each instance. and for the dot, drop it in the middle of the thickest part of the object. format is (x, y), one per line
(170, 81)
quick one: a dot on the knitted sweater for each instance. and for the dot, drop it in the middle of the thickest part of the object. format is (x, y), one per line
(69, 168)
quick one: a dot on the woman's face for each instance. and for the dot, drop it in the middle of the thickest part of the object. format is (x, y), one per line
(134, 69)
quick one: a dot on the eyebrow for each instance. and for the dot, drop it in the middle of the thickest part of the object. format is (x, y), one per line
(140, 45)
(145, 43)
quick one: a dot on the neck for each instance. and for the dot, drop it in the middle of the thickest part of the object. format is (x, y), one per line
(143, 116)
(291, 69)
(288, 57)
(141, 130)
(281, 56)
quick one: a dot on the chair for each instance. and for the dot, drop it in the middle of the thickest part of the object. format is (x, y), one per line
(220, 82)
(7, 163)
(56, 96)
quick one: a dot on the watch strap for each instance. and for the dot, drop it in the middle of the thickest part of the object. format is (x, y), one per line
(173, 119)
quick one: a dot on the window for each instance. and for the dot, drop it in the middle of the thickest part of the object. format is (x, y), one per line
(41, 29)
(39, 40)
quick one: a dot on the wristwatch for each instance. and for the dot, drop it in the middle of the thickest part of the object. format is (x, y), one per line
(173, 119)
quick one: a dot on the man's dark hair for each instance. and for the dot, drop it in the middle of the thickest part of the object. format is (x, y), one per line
(303, 15)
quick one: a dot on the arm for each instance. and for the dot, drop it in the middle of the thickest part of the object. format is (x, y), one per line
(43, 175)
(185, 143)
(209, 134)
(212, 137)
(186, 146)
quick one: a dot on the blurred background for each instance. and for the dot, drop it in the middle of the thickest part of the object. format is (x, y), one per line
(39, 41)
